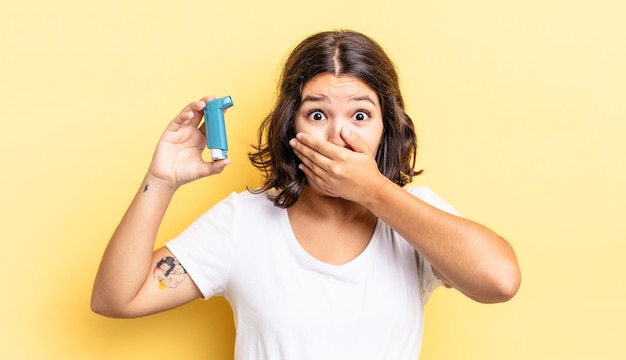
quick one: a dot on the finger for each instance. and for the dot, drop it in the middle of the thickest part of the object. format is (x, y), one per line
(208, 98)
(311, 176)
(199, 105)
(198, 110)
(187, 116)
(194, 111)
(313, 147)
(309, 166)
(309, 156)
(354, 141)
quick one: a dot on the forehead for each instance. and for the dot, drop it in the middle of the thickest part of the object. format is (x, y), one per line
(339, 87)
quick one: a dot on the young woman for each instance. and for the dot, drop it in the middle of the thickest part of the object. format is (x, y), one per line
(332, 258)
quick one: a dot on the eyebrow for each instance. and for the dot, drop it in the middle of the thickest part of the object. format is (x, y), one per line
(319, 98)
(363, 98)
(314, 98)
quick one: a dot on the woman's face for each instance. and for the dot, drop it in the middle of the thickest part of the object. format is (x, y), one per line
(330, 103)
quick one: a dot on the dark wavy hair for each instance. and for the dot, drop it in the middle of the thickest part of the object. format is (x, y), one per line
(335, 52)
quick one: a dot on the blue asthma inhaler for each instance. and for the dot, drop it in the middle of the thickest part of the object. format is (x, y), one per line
(215, 128)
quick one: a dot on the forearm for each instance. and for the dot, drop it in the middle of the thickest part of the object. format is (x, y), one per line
(469, 256)
(127, 259)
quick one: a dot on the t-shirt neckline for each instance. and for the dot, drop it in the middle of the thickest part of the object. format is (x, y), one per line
(319, 265)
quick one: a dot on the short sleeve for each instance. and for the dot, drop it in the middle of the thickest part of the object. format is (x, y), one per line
(428, 280)
(205, 249)
(428, 196)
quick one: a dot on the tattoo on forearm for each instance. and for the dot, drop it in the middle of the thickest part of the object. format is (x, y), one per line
(145, 188)
(169, 273)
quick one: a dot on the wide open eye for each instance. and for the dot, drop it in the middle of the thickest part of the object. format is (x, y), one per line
(316, 115)
(361, 115)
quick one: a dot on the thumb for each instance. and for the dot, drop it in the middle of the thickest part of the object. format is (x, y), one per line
(212, 168)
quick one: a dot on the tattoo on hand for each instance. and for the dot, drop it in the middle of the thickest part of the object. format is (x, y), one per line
(169, 273)
(145, 188)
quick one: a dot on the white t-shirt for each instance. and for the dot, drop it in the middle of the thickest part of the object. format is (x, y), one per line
(289, 305)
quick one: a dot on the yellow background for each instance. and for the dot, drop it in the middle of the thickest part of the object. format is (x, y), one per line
(520, 109)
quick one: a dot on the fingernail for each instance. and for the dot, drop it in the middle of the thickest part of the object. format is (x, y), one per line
(292, 142)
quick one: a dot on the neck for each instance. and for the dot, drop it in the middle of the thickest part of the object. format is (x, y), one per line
(330, 208)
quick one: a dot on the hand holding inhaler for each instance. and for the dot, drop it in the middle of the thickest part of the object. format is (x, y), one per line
(215, 128)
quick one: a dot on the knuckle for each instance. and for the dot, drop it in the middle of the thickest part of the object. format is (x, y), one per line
(336, 169)
(343, 157)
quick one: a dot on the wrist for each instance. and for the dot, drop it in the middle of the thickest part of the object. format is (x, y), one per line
(379, 190)
(156, 184)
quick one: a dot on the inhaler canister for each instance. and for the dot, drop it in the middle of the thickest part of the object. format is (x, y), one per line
(215, 128)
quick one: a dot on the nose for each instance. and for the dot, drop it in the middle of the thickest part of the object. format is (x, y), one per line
(334, 131)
